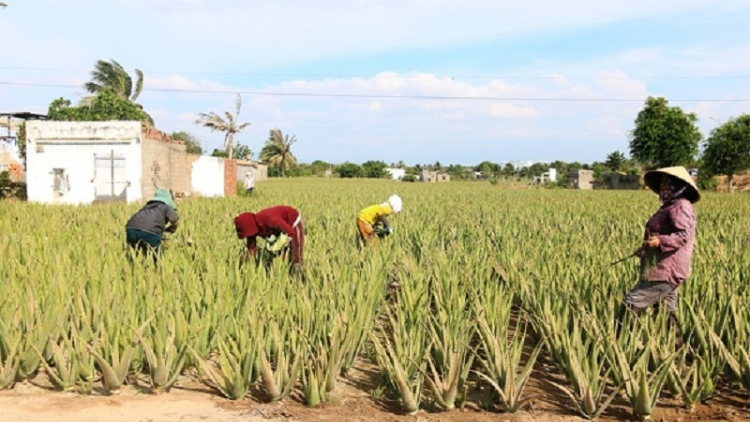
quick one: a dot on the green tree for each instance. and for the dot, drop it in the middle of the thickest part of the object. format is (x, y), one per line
(111, 75)
(319, 167)
(727, 149)
(615, 161)
(105, 106)
(192, 144)
(457, 171)
(374, 169)
(349, 170)
(536, 169)
(277, 151)
(242, 151)
(488, 169)
(664, 136)
(230, 127)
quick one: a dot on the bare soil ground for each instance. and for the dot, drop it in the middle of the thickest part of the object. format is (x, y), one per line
(353, 400)
(741, 183)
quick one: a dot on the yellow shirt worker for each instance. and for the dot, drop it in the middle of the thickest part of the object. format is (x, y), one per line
(375, 215)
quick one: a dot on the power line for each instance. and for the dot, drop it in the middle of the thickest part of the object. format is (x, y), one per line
(376, 96)
(475, 77)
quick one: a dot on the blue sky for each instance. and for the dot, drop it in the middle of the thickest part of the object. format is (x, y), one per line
(413, 80)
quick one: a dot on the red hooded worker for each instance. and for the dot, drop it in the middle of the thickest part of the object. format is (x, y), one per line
(274, 221)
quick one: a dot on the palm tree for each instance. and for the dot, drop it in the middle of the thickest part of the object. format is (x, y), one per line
(111, 75)
(278, 151)
(229, 126)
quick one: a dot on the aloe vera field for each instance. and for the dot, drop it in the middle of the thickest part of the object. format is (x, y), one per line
(486, 302)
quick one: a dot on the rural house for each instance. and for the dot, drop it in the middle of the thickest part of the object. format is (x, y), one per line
(87, 162)
(433, 176)
(581, 179)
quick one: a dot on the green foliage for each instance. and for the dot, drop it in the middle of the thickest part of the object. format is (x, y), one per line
(230, 127)
(319, 167)
(727, 150)
(241, 152)
(11, 189)
(105, 106)
(615, 161)
(488, 169)
(349, 170)
(707, 182)
(374, 169)
(533, 170)
(111, 76)
(277, 151)
(21, 141)
(459, 172)
(192, 143)
(599, 169)
(409, 178)
(664, 136)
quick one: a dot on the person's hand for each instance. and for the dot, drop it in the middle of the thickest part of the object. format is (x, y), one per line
(652, 242)
(171, 229)
(639, 252)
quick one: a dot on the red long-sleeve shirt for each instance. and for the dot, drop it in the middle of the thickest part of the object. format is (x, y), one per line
(277, 220)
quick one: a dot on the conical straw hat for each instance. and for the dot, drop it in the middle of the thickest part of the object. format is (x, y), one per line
(653, 179)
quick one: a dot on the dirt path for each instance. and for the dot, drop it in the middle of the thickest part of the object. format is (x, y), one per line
(351, 401)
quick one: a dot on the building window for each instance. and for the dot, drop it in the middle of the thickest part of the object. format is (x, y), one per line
(61, 183)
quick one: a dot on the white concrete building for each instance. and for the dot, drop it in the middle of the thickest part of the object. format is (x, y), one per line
(86, 162)
(396, 173)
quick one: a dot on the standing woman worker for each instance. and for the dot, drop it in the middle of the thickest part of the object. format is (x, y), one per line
(668, 243)
(145, 228)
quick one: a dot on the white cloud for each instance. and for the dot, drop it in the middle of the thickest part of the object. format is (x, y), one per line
(508, 111)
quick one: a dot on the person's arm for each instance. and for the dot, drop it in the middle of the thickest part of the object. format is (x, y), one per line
(284, 227)
(172, 227)
(252, 245)
(386, 224)
(172, 218)
(683, 220)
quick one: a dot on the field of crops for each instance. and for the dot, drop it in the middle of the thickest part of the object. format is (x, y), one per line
(475, 284)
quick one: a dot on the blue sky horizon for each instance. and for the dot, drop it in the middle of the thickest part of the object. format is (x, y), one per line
(415, 81)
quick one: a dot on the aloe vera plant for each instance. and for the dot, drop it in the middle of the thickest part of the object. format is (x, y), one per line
(237, 369)
(164, 354)
(468, 268)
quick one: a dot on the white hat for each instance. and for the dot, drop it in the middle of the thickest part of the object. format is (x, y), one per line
(396, 204)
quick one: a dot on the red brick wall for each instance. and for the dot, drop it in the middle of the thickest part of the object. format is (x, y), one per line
(230, 177)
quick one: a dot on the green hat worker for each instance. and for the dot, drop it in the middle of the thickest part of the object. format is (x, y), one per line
(146, 227)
